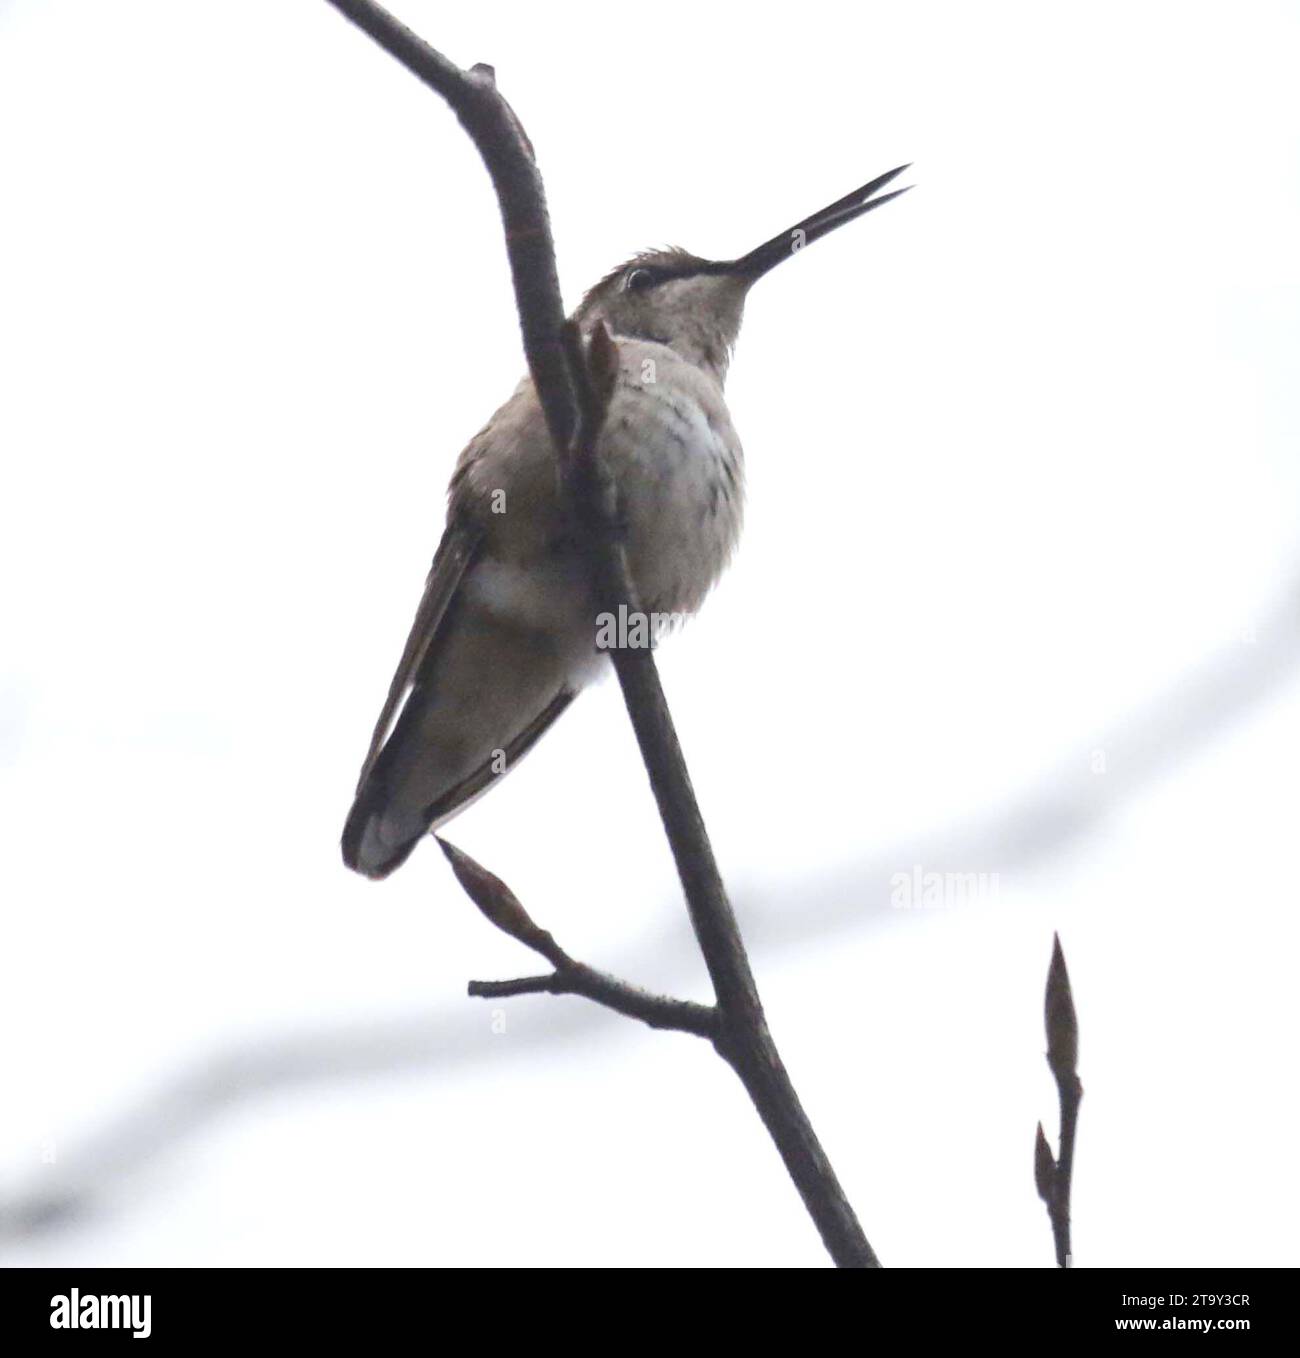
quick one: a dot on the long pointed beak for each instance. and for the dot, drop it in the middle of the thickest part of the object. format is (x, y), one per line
(768, 255)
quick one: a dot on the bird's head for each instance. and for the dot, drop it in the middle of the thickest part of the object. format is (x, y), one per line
(695, 305)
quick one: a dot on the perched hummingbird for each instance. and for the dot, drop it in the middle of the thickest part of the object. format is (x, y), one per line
(506, 633)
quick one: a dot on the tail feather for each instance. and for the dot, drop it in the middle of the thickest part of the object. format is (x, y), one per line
(372, 844)
(378, 838)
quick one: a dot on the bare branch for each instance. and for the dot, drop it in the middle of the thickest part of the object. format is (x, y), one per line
(659, 1011)
(573, 386)
(1054, 1176)
(743, 1039)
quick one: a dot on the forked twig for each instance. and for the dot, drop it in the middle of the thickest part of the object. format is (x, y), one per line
(569, 977)
(1053, 1175)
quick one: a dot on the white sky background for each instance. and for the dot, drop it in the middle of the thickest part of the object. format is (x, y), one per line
(1023, 487)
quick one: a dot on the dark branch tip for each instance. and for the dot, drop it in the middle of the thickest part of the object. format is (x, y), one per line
(1061, 1021)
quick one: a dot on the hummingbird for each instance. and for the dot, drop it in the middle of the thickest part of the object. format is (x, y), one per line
(506, 634)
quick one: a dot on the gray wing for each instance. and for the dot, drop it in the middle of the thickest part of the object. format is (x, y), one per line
(475, 683)
(455, 555)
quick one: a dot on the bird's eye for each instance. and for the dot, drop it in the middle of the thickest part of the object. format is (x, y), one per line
(638, 280)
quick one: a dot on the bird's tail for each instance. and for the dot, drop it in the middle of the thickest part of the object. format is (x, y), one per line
(479, 706)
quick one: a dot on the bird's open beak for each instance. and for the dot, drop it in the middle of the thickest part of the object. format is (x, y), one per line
(768, 255)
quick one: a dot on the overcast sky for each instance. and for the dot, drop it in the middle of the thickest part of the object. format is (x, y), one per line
(1019, 596)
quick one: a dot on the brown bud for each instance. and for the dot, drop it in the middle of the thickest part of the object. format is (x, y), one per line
(1062, 1024)
(602, 361)
(1044, 1167)
(497, 902)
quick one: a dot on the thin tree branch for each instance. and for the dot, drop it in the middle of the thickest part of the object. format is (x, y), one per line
(743, 1039)
(1054, 1175)
(559, 366)
(658, 1011)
